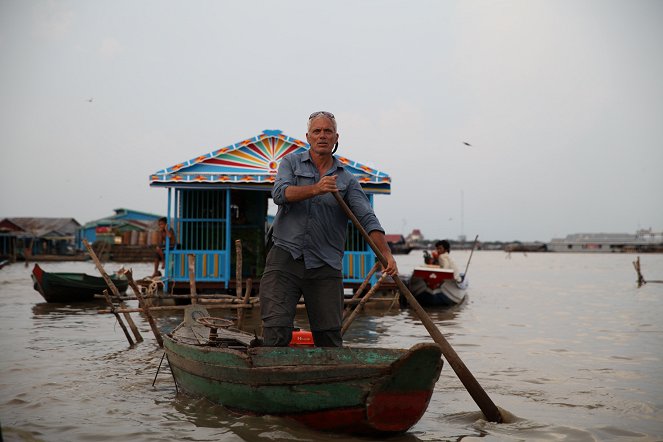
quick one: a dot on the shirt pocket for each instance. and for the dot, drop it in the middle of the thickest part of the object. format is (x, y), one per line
(304, 177)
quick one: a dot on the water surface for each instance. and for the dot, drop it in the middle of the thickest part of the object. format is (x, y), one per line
(566, 344)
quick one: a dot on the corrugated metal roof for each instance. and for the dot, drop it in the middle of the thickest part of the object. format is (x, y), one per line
(53, 227)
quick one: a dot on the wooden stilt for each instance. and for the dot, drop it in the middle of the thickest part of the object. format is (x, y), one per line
(144, 306)
(241, 310)
(192, 278)
(238, 268)
(641, 280)
(116, 292)
(114, 311)
(361, 288)
(360, 306)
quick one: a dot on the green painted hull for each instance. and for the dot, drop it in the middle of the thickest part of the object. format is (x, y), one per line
(72, 287)
(336, 389)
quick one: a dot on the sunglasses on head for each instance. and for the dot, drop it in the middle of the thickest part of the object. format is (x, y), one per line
(324, 113)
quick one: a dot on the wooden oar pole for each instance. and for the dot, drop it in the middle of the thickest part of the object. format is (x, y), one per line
(116, 292)
(482, 399)
(144, 306)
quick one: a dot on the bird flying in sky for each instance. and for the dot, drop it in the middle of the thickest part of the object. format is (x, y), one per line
(467, 144)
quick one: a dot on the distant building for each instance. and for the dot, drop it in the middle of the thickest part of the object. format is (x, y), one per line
(126, 226)
(644, 240)
(37, 236)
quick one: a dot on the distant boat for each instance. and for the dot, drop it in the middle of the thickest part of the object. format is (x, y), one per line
(433, 286)
(398, 245)
(340, 389)
(72, 287)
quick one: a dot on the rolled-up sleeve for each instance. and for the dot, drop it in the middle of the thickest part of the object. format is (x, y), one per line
(284, 178)
(361, 207)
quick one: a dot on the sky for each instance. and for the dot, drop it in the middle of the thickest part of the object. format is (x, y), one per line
(561, 101)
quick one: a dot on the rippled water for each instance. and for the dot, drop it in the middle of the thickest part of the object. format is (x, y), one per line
(566, 344)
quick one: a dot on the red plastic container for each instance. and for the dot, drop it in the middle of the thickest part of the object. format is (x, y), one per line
(302, 338)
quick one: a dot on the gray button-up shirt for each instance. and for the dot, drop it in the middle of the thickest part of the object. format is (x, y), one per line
(315, 228)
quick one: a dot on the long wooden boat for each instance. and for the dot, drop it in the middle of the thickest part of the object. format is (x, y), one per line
(72, 287)
(348, 390)
(433, 286)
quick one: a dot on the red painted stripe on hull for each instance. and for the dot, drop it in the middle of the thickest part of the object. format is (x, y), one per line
(397, 411)
(387, 412)
(343, 420)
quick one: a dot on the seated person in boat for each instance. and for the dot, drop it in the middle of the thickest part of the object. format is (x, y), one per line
(164, 232)
(444, 260)
(309, 239)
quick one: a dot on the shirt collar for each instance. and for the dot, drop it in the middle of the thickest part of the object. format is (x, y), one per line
(306, 156)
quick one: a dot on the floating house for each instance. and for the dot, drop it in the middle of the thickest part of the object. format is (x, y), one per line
(37, 236)
(223, 196)
(126, 226)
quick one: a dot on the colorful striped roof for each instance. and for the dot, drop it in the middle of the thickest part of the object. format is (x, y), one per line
(253, 163)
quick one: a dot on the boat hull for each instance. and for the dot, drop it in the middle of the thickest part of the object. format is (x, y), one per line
(435, 287)
(71, 287)
(331, 389)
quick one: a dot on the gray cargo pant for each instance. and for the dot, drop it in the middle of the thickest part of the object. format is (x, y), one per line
(284, 281)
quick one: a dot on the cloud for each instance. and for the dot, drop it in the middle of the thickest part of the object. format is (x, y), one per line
(53, 20)
(110, 48)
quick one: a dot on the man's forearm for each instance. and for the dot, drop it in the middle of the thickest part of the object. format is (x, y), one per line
(294, 194)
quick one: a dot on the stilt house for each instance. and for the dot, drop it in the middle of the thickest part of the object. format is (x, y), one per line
(224, 195)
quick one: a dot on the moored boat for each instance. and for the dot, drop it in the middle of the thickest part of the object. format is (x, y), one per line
(433, 286)
(348, 390)
(72, 287)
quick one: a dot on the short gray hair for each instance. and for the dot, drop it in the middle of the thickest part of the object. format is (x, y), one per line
(316, 115)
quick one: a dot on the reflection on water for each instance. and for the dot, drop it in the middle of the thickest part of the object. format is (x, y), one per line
(566, 344)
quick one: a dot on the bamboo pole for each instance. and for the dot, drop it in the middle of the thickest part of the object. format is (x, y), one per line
(238, 268)
(361, 288)
(115, 312)
(360, 306)
(192, 277)
(245, 301)
(144, 306)
(116, 292)
(171, 307)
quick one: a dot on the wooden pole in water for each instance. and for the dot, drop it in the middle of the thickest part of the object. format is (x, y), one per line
(144, 306)
(192, 278)
(117, 317)
(472, 386)
(238, 268)
(116, 292)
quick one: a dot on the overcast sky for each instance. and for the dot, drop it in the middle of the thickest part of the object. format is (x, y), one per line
(562, 102)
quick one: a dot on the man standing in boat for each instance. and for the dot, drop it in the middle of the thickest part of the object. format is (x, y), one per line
(309, 239)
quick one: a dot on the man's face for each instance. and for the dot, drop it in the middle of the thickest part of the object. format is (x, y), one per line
(321, 135)
(162, 225)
